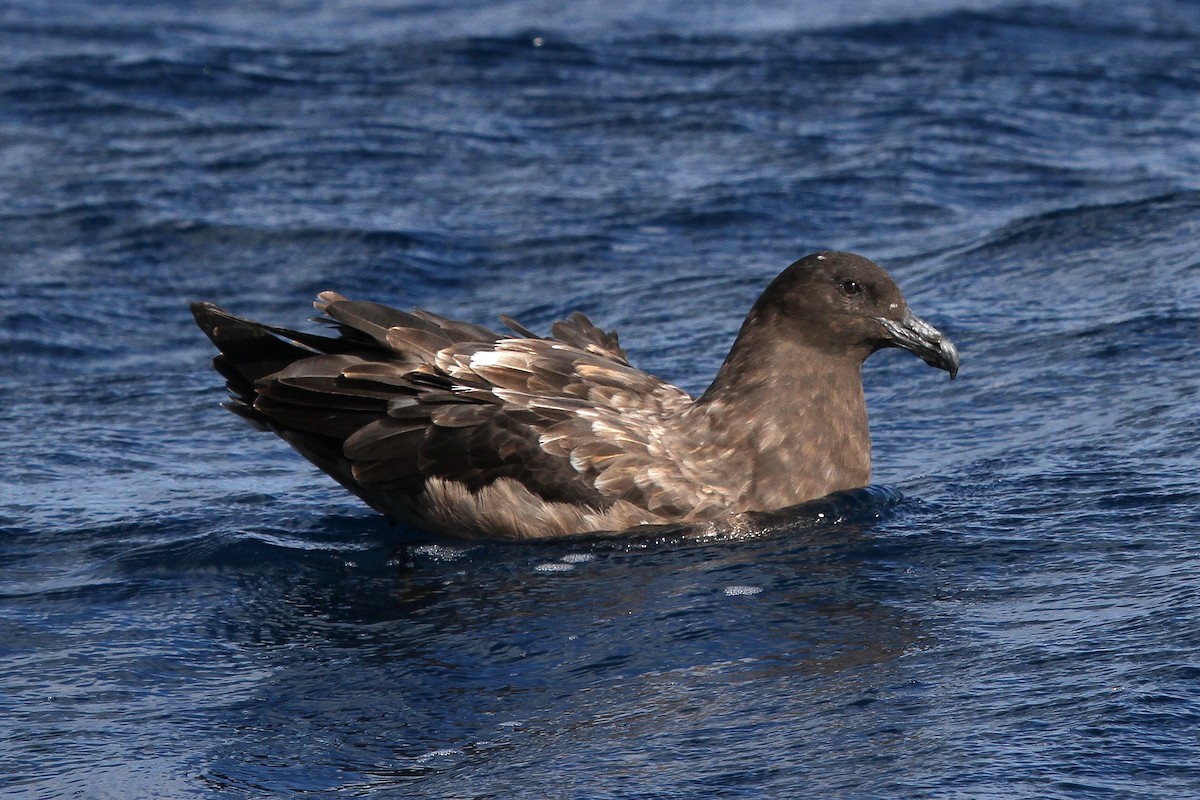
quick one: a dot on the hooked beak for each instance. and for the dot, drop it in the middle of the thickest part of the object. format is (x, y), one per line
(919, 337)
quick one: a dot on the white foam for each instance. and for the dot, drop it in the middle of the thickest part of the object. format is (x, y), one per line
(439, 552)
(559, 567)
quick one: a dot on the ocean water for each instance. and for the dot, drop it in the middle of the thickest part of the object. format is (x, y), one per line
(189, 610)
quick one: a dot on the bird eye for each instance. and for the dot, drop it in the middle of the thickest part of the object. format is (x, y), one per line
(850, 288)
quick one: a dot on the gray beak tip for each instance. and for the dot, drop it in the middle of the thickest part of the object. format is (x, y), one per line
(923, 340)
(949, 357)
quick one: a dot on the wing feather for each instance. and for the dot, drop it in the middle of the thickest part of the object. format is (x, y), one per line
(578, 331)
(379, 440)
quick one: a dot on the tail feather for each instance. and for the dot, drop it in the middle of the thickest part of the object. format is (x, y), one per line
(290, 383)
(249, 351)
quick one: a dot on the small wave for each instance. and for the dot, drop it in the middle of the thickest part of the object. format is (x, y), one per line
(1119, 225)
(853, 507)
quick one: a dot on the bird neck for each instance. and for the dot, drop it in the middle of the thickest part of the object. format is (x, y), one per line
(793, 417)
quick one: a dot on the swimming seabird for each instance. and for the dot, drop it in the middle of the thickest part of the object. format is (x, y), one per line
(468, 433)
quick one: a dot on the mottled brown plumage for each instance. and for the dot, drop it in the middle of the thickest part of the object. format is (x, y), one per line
(469, 433)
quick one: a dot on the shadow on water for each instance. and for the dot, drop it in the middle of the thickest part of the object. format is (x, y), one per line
(453, 660)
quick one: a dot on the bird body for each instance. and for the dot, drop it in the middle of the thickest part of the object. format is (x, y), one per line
(469, 433)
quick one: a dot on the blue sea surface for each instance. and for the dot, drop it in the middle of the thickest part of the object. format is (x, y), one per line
(189, 610)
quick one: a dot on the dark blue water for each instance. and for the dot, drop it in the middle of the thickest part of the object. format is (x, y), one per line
(188, 610)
